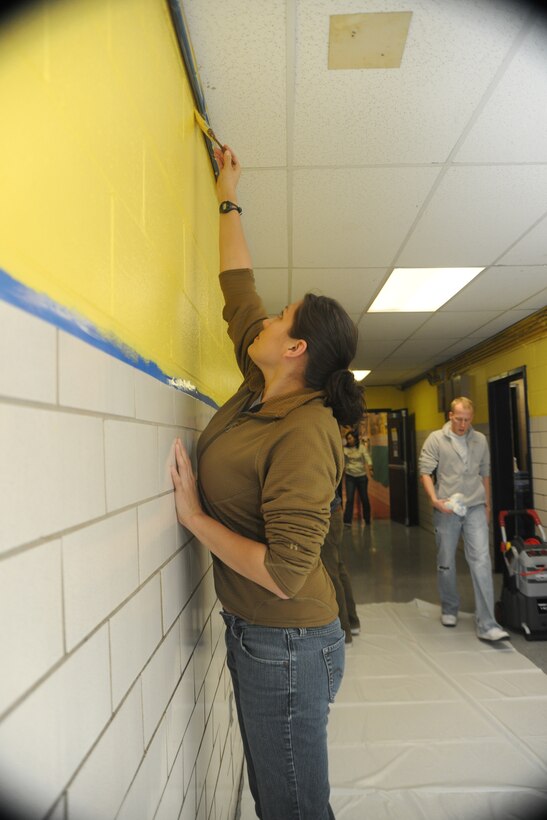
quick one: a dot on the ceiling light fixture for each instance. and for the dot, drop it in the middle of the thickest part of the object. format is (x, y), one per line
(421, 290)
(360, 374)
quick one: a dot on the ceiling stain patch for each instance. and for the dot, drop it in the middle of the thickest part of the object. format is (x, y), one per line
(368, 40)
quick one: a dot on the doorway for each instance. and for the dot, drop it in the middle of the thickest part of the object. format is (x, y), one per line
(403, 480)
(389, 436)
(511, 473)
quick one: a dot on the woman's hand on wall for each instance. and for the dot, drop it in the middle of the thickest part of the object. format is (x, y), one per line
(186, 493)
(230, 172)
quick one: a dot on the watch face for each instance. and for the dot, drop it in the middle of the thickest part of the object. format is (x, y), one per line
(225, 207)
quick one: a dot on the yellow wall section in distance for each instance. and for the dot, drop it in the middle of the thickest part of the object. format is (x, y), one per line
(108, 193)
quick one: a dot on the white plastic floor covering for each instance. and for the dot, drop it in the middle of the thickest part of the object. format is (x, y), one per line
(432, 724)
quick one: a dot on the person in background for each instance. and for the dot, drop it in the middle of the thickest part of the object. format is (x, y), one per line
(459, 457)
(331, 555)
(357, 470)
(268, 465)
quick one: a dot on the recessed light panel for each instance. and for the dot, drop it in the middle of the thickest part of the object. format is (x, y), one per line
(360, 374)
(421, 290)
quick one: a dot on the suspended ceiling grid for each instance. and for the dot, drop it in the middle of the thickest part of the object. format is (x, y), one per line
(441, 162)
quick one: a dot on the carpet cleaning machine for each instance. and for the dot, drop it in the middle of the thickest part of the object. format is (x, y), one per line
(523, 604)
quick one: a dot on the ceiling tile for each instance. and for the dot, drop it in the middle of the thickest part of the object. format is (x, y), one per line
(362, 220)
(502, 322)
(375, 351)
(354, 288)
(456, 349)
(499, 288)
(532, 248)
(263, 197)
(392, 376)
(454, 324)
(349, 172)
(368, 40)
(512, 126)
(240, 52)
(374, 326)
(536, 302)
(412, 114)
(418, 349)
(273, 286)
(475, 214)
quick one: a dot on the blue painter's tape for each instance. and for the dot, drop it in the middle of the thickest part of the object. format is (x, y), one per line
(42, 306)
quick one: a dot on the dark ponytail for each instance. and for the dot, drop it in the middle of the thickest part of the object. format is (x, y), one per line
(331, 337)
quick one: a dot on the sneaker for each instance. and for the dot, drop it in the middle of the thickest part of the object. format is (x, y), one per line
(449, 620)
(347, 524)
(494, 634)
(355, 628)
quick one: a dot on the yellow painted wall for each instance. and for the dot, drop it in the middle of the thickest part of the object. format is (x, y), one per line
(421, 398)
(384, 398)
(108, 202)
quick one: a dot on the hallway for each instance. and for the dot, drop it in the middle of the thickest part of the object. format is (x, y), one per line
(429, 722)
(390, 562)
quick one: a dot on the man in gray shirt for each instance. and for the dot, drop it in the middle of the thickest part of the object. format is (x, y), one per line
(459, 456)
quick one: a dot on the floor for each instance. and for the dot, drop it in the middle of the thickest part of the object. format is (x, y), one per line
(390, 562)
(430, 722)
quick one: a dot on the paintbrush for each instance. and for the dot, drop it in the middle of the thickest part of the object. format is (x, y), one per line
(207, 130)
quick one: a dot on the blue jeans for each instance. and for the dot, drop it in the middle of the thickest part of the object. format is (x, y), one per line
(359, 483)
(284, 680)
(474, 529)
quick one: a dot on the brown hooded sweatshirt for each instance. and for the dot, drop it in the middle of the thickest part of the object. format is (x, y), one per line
(270, 473)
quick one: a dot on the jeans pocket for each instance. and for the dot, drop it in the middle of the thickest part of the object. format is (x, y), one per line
(335, 656)
(263, 646)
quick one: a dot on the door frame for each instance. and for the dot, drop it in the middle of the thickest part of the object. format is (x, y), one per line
(510, 489)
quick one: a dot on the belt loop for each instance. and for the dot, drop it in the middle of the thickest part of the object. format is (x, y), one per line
(227, 618)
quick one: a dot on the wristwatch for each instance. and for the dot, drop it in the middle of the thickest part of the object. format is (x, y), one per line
(227, 206)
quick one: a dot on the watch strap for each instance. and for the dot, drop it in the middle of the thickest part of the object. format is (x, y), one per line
(227, 206)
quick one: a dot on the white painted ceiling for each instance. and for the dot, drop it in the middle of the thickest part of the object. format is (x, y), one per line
(349, 173)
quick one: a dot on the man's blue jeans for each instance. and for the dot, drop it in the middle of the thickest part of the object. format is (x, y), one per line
(474, 529)
(284, 680)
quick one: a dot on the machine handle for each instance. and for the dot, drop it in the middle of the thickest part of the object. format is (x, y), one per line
(504, 513)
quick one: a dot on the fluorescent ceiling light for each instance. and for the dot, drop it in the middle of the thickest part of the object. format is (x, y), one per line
(360, 374)
(416, 290)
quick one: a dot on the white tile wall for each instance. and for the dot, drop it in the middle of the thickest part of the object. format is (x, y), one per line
(189, 805)
(51, 472)
(131, 462)
(135, 631)
(192, 740)
(100, 570)
(159, 681)
(147, 788)
(176, 585)
(31, 601)
(90, 380)
(59, 812)
(159, 534)
(28, 352)
(538, 444)
(44, 740)
(152, 401)
(179, 713)
(112, 764)
(172, 797)
(114, 692)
